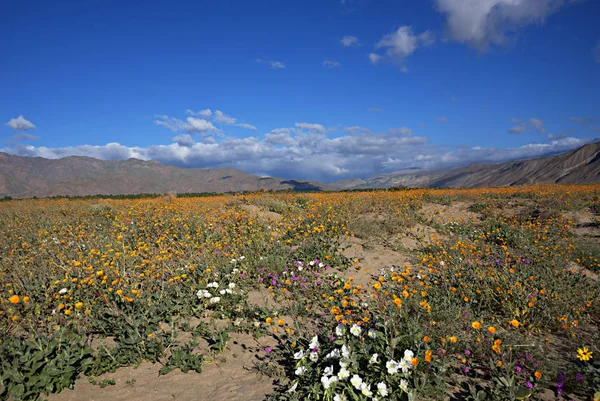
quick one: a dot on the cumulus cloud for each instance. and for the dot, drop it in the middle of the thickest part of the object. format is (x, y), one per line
(403, 42)
(533, 124)
(331, 64)
(311, 127)
(20, 123)
(185, 140)
(441, 119)
(200, 125)
(404, 131)
(480, 23)
(348, 41)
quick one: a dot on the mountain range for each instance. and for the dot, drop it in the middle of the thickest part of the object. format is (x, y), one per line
(22, 176)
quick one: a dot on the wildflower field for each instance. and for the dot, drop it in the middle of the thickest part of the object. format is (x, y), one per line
(486, 294)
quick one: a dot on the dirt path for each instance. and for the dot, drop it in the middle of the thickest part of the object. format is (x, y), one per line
(229, 378)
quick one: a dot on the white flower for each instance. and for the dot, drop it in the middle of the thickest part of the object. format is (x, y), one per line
(63, 291)
(339, 330)
(242, 258)
(233, 260)
(356, 381)
(373, 359)
(326, 381)
(382, 389)
(365, 389)
(321, 265)
(228, 291)
(372, 333)
(312, 263)
(214, 300)
(442, 263)
(328, 371)
(300, 371)
(392, 367)
(343, 374)
(408, 355)
(344, 362)
(345, 351)
(203, 294)
(231, 286)
(355, 330)
(222, 292)
(314, 343)
(340, 397)
(404, 365)
(313, 356)
(293, 388)
(214, 284)
(333, 354)
(299, 355)
(404, 385)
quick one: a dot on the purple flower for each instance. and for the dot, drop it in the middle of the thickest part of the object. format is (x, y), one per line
(518, 369)
(579, 377)
(529, 357)
(467, 352)
(268, 350)
(528, 384)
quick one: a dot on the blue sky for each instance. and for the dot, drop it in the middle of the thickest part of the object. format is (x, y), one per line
(325, 89)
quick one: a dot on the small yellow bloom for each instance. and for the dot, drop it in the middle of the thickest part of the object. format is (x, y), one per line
(514, 323)
(538, 375)
(453, 339)
(476, 325)
(268, 320)
(584, 354)
(78, 305)
(492, 329)
(14, 299)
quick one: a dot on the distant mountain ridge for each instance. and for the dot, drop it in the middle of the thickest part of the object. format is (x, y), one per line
(578, 166)
(22, 177)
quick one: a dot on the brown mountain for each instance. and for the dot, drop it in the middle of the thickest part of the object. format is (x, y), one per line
(578, 166)
(79, 176)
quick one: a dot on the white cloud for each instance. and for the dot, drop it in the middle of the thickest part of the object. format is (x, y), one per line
(311, 127)
(277, 64)
(20, 123)
(247, 126)
(185, 140)
(403, 42)
(206, 113)
(533, 123)
(348, 41)
(375, 58)
(331, 64)
(191, 124)
(222, 118)
(441, 119)
(479, 23)
(404, 131)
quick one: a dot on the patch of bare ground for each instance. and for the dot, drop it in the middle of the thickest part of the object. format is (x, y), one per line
(456, 211)
(417, 237)
(228, 377)
(260, 213)
(368, 259)
(584, 223)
